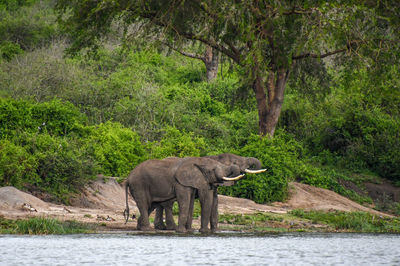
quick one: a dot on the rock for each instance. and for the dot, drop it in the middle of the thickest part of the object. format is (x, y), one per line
(14, 199)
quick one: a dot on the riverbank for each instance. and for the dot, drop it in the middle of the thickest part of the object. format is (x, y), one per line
(100, 206)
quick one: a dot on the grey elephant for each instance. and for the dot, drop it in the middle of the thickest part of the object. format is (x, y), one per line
(156, 182)
(246, 164)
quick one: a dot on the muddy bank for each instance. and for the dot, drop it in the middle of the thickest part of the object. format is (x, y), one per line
(103, 201)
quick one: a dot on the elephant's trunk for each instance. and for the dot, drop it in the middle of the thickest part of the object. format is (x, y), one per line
(253, 163)
(254, 166)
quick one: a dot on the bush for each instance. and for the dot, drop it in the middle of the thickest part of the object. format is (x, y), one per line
(175, 143)
(116, 149)
(281, 156)
(17, 166)
(27, 25)
(8, 50)
(53, 117)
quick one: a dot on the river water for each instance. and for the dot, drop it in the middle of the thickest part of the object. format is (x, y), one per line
(220, 249)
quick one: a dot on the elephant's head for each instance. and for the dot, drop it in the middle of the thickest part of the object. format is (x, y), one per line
(246, 164)
(203, 172)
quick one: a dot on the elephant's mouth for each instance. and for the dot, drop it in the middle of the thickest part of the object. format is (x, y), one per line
(249, 171)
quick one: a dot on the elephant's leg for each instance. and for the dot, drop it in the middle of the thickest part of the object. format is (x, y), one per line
(169, 217)
(183, 195)
(144, 208)
(190, 217)
(206, 201)
(214, 212)
(158, 219)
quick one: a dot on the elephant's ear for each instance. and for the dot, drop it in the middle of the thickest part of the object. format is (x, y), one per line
(196, 178)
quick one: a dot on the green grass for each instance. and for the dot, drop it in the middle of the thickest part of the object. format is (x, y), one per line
(352, 221)
(42, 226)
(247, 219)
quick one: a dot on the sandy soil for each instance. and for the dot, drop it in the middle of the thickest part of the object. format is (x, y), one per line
(103, 202)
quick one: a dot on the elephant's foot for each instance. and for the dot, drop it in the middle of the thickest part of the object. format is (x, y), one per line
(205, 230)
(189, 230)
(161, 226)
(145, 228)
(181, 229)
(214, 228)
(170, 227)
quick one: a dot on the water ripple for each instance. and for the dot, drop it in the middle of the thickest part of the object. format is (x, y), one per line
(283, 249)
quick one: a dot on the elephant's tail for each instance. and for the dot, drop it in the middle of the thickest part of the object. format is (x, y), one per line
(126, 211)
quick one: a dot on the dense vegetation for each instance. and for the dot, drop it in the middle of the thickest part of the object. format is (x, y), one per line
(65, 119)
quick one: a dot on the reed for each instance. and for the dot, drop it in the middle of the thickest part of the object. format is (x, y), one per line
(43, 226)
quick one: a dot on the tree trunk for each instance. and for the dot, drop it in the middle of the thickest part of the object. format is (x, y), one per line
(269, 111)
(211, 62)
(261, 98)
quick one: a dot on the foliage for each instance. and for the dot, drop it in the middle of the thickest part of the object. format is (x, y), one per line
(25, 25)
(264, 38)
(65, 119)
(62, 153)
(115, 148)
(15, 4)
(175, 143)
(349, 129)
(353, 221)
(281, 156)
(52, 117)
(9, 49)
(42, 226)
(17, 165)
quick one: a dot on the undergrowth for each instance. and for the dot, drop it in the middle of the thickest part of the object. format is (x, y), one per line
(352, 221)
(43, 226)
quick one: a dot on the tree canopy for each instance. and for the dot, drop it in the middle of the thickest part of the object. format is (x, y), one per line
(264, 38)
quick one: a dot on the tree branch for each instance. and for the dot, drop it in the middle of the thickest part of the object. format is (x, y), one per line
(319, 56)
(233, 53)
(349, 46)
(235, 57)
(195, 56)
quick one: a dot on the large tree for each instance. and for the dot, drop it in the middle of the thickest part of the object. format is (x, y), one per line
(265, 38)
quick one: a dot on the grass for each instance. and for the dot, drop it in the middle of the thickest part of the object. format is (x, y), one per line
(352, 221)
(247, 219)
(43, 226)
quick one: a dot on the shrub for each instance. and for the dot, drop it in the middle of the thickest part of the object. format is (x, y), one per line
(281, 156)
(28, 25)
(17, 166)
(53, 117)
(177, 143)
(116, 149)
(8, 50)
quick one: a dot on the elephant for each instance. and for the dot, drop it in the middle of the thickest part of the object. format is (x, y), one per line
(158, 182)
(246, 164)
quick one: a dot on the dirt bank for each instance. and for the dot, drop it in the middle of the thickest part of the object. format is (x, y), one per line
(103, 202)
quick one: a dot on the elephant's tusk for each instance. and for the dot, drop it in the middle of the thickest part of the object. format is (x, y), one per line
(232, 178)
(255, 171)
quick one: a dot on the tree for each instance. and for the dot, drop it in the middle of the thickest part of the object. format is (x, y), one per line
(264, 38)
(209, 58)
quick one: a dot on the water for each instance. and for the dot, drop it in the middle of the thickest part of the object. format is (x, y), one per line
(226, 249)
